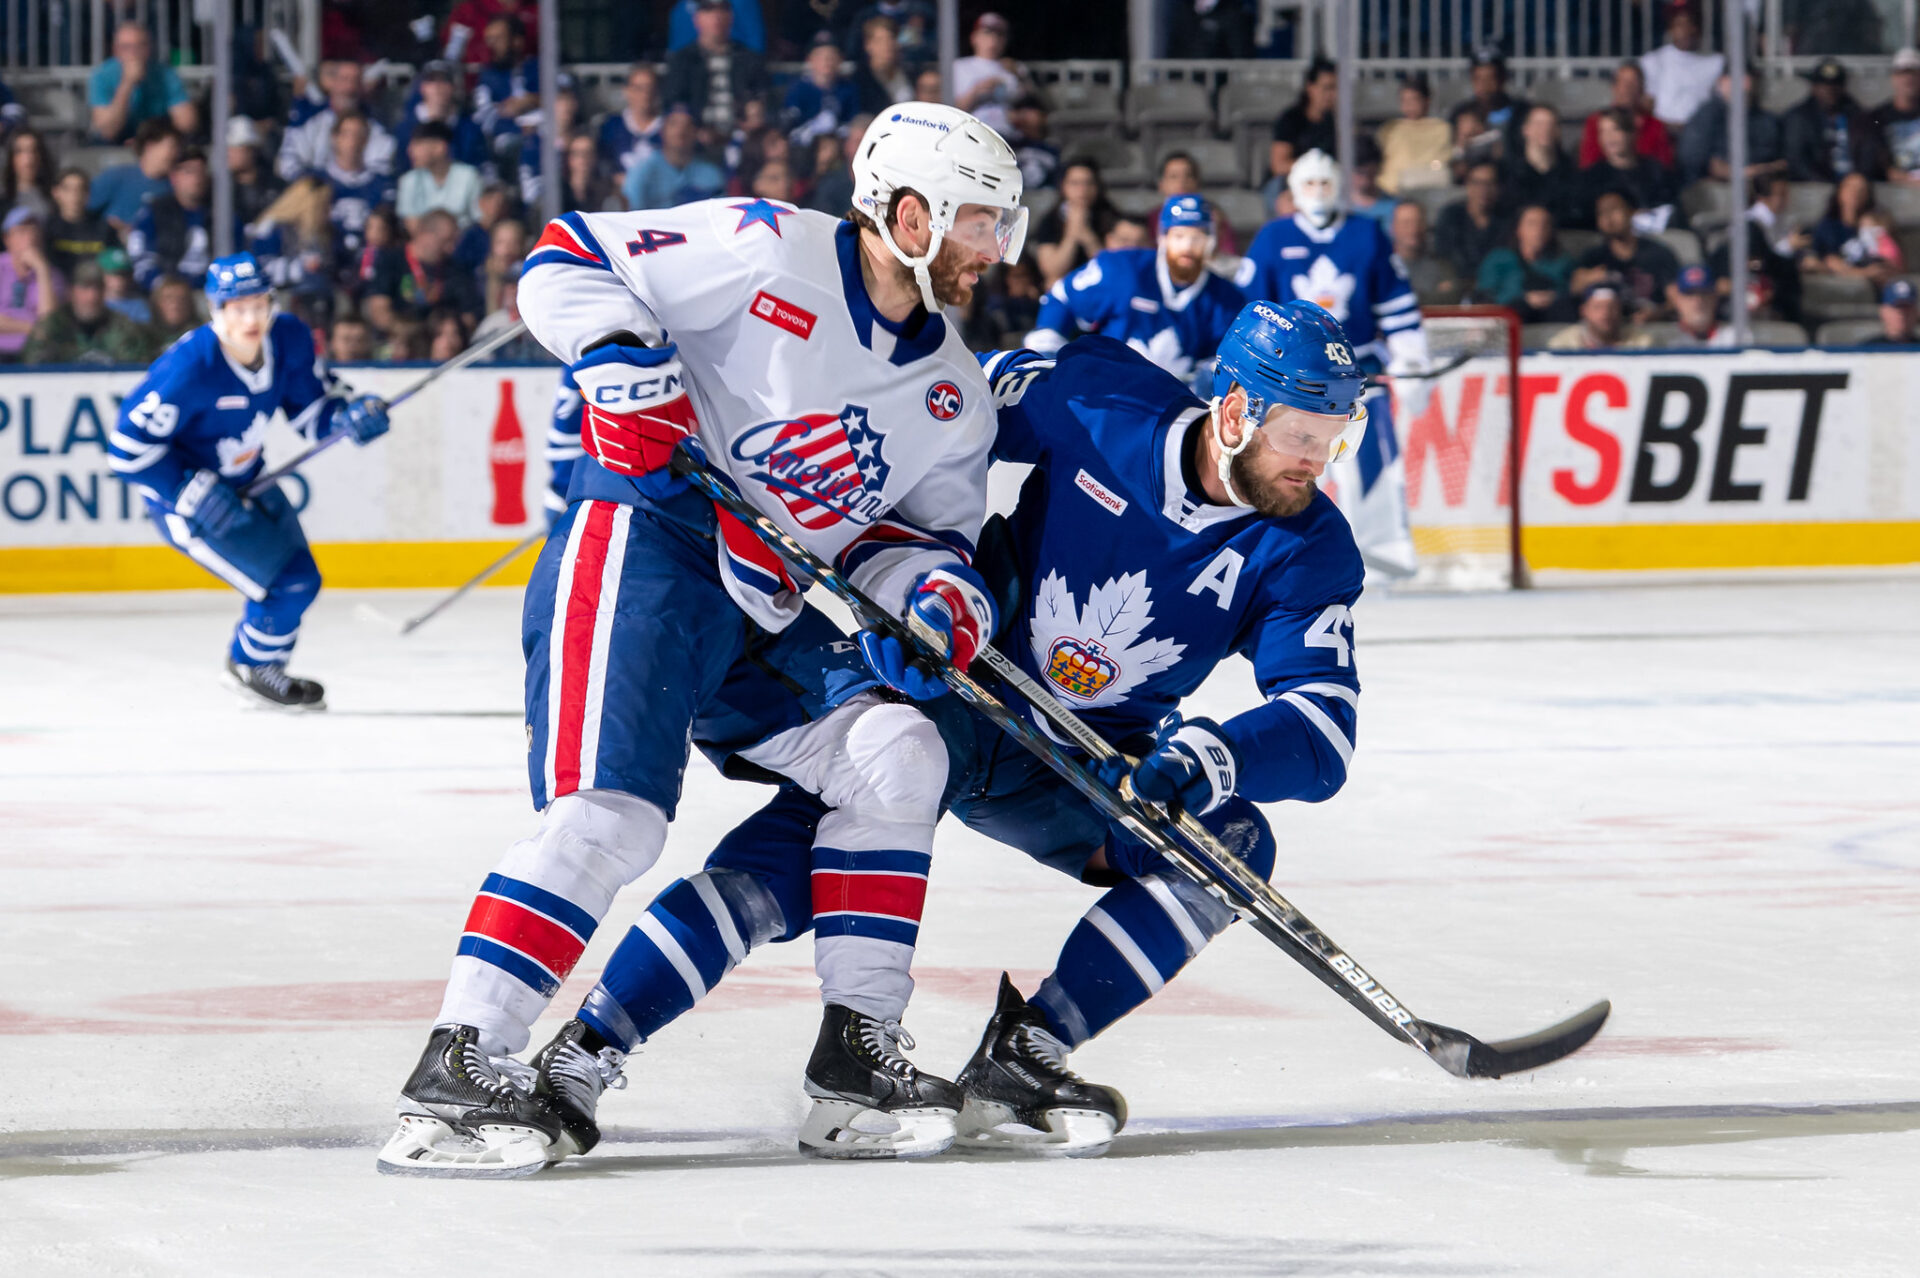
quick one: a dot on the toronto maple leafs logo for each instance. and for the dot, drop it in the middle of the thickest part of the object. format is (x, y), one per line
(237, 452)
(1095, 656)
(1164, 349)
(1325, 285)
(825, 467)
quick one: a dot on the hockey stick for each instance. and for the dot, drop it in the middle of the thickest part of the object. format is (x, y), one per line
(1188, 844)
(415, 623)
(473, 354)
(1385, 379)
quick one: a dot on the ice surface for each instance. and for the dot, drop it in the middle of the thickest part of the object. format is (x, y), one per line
(224, 932)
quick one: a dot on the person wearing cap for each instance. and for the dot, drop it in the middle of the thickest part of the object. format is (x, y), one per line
(1897, 316)
(174, 232)
(1603, 323)
(675, 174)
(1416, 147)
(1703, 141)
(1501, 112)
(1679, 77)
(255, 186)
(989, 81)
(29, 286)
(435, 180)
(73, 233)
(881, 76)
(715, 75)
(436, 96)
(130, 88)
(1163, 302)
(1893, 127)
(123, 295)
(1696, 310)
(822, 100)
(1180, 175)
(84, 330)
(1826, 133)
(1651, 138)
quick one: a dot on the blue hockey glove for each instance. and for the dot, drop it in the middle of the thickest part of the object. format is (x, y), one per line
(1191, 764)
(949, 609)
(211, 508)
(888, 657)
(364, 418)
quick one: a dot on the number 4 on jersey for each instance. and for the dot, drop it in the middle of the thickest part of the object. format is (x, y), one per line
(1325, 633)
(653, 242)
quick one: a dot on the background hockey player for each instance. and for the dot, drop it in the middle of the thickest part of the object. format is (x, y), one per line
(190, 438)
(1166, 303)
(810, 358)
(1346, 265)
(1156, 535)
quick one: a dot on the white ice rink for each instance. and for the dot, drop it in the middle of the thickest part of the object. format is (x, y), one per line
(224, 934)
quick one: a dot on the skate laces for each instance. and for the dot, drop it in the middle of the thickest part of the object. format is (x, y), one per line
(479, 1069)
(580, 1076)
(886, 1040)
(1042, 1045)
(276, 678)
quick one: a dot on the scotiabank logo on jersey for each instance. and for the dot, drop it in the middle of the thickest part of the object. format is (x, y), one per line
(825, 467)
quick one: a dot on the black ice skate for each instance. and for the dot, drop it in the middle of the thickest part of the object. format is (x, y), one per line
(569, 1075)
(273, 686)
(1020, 1095)
(464, 1113)
(869, 1101)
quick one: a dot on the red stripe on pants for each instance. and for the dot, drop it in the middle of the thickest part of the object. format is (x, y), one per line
(901, 895)
(534, 935)
(569, 682)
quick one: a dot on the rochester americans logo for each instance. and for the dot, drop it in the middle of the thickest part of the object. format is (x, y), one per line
(825, 467)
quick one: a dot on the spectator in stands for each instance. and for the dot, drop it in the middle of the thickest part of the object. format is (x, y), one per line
(497, 201)
(306, 146)
(1307, 125)
(1539, 172)
(1897, 311)
(350, 341)
(833, 187)
(1622, 168)
(356, 190)
(1364, 196)
(1180, 175)
(1027, 134)
(439, 100)
(74, 234)
(1679, 77)
(428, 279)
(1012, 308)
(119, 191)
(130, 88)
(1076, 229)
(587, 188)
(1473, 142)
(467, 24)
(1211, 29)
(173, 234)
(566, 115)
(523, 349)
(1641, 270)
(1467, 230)
(1844, 242)
(927, 86)
(435, 179)
(676, 173)
(1768, 216)
(504, 261)
(773, 181)
(1894, 125)
(293, 237)
(1417, 147)
(1128, 233)
(406, 342)
(1500, 112)
(1651, 138)
(506, 90)
(914, 19)
(749, 25)
(123, 295)
(255, 187)
(29, 176)
(174, 314)
(632, 133)
(1435, 280)
(381, 262)
(822, 100)
(29, 288)
(1696, 310)
(1826, 134)
(1533, 276)
(1703, 142)
(12, 113)
(446, 335)
(714, 75)
(84, 331)
(881, 78)
(1604, 323)
(988, 82)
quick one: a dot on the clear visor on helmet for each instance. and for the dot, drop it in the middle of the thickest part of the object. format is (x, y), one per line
(1314, 437)
(991, 232)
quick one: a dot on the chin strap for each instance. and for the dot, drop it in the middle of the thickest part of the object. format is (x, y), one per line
(918, 265)
(1224, 467)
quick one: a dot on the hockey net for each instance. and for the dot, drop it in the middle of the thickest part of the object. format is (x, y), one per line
(1461, 440)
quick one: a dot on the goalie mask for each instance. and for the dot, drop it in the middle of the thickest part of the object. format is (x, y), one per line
(1314, 182)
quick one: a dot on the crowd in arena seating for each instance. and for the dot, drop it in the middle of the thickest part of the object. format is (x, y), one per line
(394, 212)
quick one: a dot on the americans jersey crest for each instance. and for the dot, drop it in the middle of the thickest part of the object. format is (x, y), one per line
(824, 467)
(1095, 656)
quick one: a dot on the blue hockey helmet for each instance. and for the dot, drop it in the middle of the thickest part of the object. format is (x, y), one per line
(236, 275)
(1293, 355)
(1186, 210)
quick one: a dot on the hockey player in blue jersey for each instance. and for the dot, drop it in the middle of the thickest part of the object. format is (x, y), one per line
(1166, 303)
(190, 439)
(1156, 535)
(1347, 266)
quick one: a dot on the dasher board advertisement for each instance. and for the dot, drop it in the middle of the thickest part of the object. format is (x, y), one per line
(460, 477)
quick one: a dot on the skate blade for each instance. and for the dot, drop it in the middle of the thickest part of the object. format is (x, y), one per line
(986, 1127)
(848, 1129)
(427, 1146)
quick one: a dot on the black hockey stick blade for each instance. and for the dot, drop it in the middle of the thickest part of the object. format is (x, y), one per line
(1461, 1054)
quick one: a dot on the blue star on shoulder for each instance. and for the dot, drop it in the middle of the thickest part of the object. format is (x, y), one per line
(866, 443)
(761, 212)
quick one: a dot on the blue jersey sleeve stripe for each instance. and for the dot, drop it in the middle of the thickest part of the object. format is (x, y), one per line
(1396, 323)
(1399, 303)
(1314, 715)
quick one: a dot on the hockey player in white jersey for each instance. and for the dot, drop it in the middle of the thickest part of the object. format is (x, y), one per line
(1346, 265)
(810, 359)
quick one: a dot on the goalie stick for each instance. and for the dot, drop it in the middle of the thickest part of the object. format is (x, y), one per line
(1177, 835)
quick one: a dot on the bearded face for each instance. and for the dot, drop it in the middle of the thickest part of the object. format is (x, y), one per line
(1186, 253)
(1276, 486)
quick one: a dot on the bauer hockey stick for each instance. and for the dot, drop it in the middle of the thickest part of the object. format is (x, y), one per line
(472, 355)
(415, 623)
(1178, 835)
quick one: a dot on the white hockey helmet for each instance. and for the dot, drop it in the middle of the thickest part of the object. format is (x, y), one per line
(949, 158)
(1314, 181)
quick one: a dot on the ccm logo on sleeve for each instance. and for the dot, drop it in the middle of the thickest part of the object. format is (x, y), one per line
(783, 314)
(1111, 502)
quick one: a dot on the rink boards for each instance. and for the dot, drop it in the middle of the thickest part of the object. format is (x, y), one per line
(1631, 461)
